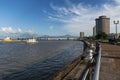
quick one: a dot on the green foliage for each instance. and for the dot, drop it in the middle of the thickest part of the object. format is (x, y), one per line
(104, 41)
(101, 35)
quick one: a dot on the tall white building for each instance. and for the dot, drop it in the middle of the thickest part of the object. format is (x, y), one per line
(102, 24)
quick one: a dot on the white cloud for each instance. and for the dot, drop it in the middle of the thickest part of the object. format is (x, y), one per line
(19, 30)
(81, 17)
(31, 32)
(10, 30)
(117, 1)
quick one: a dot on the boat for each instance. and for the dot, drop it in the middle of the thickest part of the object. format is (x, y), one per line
(33, 40)
(7, 39)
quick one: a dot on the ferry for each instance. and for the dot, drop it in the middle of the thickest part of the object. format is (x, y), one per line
(7, 39)
(33, 40)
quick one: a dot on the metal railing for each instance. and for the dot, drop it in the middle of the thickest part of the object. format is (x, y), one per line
(95, 74)
(97, 66)
(85, 75)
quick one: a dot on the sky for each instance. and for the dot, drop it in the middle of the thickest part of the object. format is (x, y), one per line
(55, 17)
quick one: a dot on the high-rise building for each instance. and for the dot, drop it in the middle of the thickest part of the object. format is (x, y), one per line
(94, 31)
(81, 34)
(102, 24)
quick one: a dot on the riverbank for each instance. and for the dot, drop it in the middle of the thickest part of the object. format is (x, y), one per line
(110, 62)
(75, 69)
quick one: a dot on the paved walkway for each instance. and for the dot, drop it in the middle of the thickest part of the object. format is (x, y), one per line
(110, 62)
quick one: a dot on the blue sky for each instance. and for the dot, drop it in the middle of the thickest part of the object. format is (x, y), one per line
(54, 17)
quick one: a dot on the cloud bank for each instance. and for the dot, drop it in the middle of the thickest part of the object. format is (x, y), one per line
(10, 30)
(77, 18)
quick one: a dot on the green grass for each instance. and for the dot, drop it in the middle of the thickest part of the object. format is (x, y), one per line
(104, 41)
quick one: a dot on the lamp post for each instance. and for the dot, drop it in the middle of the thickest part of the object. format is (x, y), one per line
(116, 23)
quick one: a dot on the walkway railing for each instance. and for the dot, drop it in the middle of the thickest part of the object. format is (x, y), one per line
(94, 75)
(97, 66)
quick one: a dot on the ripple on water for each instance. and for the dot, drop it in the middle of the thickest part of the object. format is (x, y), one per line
(36, 62)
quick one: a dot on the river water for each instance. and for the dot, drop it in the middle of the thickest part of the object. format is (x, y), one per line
(21, 61)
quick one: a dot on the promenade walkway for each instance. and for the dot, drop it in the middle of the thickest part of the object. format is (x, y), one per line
(110, 62)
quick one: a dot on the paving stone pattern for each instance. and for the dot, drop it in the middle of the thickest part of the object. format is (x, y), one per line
(110, 62)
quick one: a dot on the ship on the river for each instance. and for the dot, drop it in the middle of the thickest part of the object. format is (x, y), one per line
(8, 39)
(33, 40)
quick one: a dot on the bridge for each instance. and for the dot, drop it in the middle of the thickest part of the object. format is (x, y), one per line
(66, 37)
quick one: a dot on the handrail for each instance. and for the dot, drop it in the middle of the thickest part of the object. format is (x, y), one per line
(97, 58)
(97, 66)
(85, 75)
(87, 71)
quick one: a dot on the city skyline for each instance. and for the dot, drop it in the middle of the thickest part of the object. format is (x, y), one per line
(55, 17)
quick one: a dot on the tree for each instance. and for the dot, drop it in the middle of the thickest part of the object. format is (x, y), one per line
(101, 35)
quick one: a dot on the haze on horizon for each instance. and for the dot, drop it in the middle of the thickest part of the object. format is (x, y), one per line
(54, 17)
